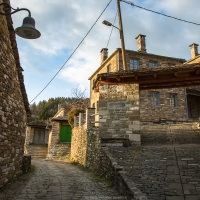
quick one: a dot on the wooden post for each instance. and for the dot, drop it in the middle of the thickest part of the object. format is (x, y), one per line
(121, 35)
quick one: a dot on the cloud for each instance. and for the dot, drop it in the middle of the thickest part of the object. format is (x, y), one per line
(63, 24)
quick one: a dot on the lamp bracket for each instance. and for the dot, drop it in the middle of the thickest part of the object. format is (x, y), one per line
(8, 7)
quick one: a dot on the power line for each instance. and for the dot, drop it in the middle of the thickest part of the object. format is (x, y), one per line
(71, 53)
(132, 4)
(111, 31)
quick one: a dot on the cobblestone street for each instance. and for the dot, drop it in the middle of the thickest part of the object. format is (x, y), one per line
(162, 172)
(60, 181)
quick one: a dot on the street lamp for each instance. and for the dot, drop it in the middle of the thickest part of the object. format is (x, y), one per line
(120, 32)
(105, 22)
(27, 30)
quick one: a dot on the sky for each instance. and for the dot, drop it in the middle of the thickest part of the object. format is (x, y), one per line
(63, 25)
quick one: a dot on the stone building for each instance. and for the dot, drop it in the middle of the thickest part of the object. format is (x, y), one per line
(14, 106)
(59, 143)
(36, 141)
(151, 91)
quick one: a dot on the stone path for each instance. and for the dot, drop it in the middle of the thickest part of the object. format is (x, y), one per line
(164, 172)
(60, 181)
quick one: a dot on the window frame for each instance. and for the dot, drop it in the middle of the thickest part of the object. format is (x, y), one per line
(153, 63)
(133, 65)
(173, 100)
(155, 99)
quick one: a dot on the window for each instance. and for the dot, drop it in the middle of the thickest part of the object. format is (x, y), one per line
(134, 63)
(108, 69)
(155, 97)
(153, 64)
(173, 100)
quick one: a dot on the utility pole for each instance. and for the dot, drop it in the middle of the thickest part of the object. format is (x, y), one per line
(121, 35)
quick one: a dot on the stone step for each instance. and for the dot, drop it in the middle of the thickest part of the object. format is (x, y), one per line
(36, 151)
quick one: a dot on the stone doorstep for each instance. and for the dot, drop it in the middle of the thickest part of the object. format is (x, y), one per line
(115, 142)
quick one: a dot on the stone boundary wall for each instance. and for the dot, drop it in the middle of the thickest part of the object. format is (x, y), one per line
(62, 151)
(118, 176)
(85, 147)
(87, 150)
(79, 145)
(176, 136)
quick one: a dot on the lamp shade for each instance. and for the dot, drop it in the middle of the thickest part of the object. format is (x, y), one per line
(28, 30)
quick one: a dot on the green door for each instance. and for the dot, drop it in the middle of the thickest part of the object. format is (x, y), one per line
(65, 133)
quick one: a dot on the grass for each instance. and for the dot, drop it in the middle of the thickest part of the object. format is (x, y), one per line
(95, 176)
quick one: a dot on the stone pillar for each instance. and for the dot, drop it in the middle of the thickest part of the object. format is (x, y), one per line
(54, 138)
(133, 109)
(81, 119)
(76, 121)
(28, 135)
(26, 163)
(119, 112)
(90, 117)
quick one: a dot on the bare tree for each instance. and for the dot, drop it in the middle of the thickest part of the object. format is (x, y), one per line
(79, 94)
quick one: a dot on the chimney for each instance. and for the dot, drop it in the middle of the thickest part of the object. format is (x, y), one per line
(194, 50)
(141, 43)
(104, 54)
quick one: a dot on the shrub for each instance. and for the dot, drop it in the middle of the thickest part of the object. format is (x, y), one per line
(74, 112)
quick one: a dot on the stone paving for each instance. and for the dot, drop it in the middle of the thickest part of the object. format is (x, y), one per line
(60, 181)
(162, 172)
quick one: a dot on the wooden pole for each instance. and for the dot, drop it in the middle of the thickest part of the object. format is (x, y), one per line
(121, 35)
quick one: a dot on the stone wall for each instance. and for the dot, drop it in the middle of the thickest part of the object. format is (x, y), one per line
(119, 112)
(12, 109)
(53, 138)
(88, 150)
(85, 146)
(170, 136)
(62, 151)
(151, 113)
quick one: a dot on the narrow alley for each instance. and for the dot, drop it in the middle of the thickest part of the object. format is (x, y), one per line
(60, 181)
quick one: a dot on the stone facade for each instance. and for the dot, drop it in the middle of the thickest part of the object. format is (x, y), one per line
(13, 104)
(37, 133)
(175, 104)
(153, 114)
(119, 111)
(57, 148)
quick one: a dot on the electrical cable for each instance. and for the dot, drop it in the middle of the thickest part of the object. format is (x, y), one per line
(132, 4)
(72, 52)
(111, 30)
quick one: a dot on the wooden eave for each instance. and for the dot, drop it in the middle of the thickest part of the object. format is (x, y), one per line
(157, 78)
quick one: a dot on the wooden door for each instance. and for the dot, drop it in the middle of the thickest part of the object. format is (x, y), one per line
(39, 136)
(65, 133)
